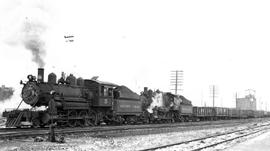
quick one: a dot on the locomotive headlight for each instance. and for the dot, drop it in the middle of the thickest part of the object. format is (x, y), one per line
(29, 77)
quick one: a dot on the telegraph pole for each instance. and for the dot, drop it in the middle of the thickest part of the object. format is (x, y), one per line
(236, 96)
(201, 98)
(176, 80)
(214, 96)
(213, 92)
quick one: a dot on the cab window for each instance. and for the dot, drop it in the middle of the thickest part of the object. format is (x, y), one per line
(110, 91)
(103, 91)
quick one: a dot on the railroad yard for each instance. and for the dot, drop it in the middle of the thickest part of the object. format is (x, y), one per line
(95, 115)
(134, 75)
(174, 136)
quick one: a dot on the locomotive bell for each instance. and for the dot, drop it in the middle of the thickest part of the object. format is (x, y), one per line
(40, 77)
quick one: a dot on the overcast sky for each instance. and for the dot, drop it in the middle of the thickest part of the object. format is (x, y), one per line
(137, 44)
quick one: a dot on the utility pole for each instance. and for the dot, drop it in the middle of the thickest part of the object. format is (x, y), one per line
(264, 105)
(236, 104)
(202, 98)
(214, 96)
(176, 80)
(213, 92)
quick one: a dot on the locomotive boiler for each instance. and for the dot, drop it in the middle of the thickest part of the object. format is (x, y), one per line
(39, 93)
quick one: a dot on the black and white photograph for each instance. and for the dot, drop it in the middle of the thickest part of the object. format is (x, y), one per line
(134, 75)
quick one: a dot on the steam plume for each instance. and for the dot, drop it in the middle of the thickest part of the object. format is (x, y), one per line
(6, 93)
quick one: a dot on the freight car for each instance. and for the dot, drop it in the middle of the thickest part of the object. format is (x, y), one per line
(234, 113)
(218, 113)
(203, 113)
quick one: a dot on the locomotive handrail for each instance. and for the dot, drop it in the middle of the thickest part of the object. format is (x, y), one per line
(19, 105)
(15, 122)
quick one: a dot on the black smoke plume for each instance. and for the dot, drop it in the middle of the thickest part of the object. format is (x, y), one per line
(32, 40)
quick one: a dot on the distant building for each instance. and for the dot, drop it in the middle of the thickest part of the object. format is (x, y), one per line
(246, 103)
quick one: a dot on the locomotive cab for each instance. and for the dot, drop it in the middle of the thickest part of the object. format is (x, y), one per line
(103, 92)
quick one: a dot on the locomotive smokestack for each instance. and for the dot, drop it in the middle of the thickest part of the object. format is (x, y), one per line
(40, 76)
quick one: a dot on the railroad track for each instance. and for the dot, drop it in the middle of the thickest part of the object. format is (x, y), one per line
(145, 125)
(109, 130)
(223, 137)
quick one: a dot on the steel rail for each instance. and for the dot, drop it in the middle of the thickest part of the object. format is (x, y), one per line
(152, 125)
(95, 130)
(228, 140)
(199, 139)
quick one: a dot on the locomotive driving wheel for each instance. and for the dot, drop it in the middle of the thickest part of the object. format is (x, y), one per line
(177, 117)
(91, 120)
(83, 122)
(72, 115)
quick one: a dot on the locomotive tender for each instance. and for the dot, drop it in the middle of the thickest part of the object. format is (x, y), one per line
(71, 102)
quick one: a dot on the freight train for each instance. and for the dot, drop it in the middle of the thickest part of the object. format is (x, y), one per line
(184, 110)
(71, 102)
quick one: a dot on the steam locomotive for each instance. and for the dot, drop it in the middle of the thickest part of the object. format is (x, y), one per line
(71, 102)
(74, 102)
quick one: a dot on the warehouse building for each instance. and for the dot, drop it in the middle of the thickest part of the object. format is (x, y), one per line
(246, 103)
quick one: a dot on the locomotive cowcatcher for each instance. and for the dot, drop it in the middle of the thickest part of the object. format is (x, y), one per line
(74, 102)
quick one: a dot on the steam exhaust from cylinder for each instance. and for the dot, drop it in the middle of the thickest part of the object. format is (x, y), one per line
(40, 77)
